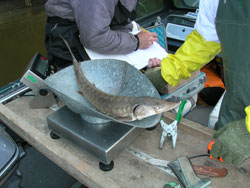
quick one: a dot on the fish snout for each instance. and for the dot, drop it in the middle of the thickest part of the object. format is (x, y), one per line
(166, 106)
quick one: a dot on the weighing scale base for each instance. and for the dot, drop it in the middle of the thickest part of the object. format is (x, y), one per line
(104, 141)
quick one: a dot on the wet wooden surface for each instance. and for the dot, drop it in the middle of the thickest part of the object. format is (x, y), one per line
(129, 171)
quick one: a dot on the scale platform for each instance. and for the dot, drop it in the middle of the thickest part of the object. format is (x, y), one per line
(104, 141)
(107, 138)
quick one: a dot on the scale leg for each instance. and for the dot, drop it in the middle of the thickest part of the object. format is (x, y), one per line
(106, 167)
(151, 128)
(54, 135)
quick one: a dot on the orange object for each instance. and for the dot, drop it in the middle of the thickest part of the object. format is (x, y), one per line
(213, 80)
(209, 148)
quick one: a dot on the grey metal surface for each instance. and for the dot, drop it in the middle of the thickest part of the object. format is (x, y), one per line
(188, 90)
(185, 173)
(149, 159)
(33, 81)
(111, 76)
(105, 141)
(9, 154)
(178, 32)
(45, 100)
(12, 91)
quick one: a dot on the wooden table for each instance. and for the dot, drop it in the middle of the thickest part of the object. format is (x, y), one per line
(129, 171)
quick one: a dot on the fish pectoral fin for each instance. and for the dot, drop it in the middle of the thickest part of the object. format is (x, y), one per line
(125, 119)
(80, 93)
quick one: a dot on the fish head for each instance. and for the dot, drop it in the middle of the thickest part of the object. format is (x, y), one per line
(152, 106)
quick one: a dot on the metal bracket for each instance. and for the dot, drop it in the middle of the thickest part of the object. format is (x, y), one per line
(184, 171)
(181, 169)
(44, 98)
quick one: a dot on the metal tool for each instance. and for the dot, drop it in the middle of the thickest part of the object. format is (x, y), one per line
(184, 171)
(147, 158)
(171, 129)
(181, 168)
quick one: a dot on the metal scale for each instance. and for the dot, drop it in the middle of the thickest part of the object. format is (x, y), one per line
(103, 140)
(78, 121)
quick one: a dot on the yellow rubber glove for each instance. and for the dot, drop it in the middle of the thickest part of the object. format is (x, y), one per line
(247, 121)
(194, 53)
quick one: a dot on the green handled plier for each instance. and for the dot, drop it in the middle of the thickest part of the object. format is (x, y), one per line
(171, 129)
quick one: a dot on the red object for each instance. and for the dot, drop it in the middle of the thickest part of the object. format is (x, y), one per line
(210, 171)
(209, 148)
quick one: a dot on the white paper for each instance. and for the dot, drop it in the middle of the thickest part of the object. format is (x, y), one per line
(138, 58)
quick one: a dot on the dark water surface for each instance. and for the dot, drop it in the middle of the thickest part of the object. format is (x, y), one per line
(21, 35)
(22, 26)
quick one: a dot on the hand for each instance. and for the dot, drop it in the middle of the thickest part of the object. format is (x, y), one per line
(146, 39)
(232, 143)
(154, 62)
(154, 75)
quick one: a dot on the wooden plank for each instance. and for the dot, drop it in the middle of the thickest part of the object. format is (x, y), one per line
(189, 126)
(129, 171)
(59, 151)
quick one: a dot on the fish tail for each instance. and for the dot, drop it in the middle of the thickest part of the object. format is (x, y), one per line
(74, 59)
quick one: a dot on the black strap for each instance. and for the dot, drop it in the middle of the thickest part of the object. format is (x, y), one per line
(80, 48)
(59, 20)
(122, 16)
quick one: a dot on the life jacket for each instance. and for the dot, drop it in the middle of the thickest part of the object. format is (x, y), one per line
(214, 86)
(214, 74)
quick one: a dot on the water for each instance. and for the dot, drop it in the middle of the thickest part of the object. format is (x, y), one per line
(21, 35)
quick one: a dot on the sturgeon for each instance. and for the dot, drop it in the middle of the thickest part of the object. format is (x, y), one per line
(122, 108)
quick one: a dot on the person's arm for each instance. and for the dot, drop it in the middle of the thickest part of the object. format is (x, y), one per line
(191, 56)
(199, 48)
(233, 141)
(93, 18)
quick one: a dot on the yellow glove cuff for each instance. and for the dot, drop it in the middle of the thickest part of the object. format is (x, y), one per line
(247, 110)
(191, 56)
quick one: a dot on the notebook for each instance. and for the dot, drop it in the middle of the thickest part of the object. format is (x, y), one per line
(138, 58)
